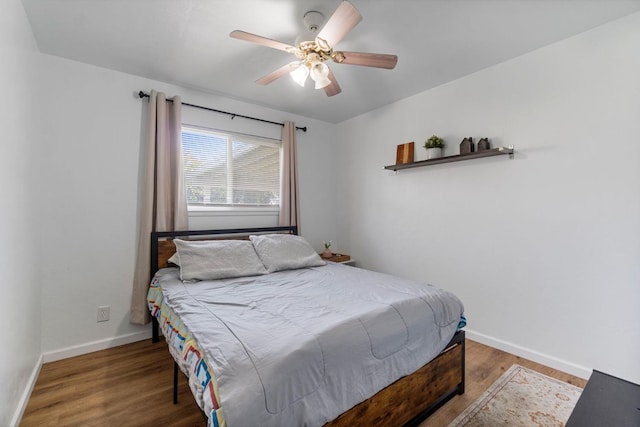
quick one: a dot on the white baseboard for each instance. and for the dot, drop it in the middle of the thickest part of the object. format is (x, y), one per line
(26, 394)
(535, 356)
(78, 350)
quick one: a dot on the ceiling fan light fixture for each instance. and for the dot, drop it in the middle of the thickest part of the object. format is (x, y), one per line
(319, 74)
(322, 82)
(299, 75)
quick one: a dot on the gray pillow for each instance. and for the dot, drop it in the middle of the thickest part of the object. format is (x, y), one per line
(174, 259)
(285, 252)
(217, 259)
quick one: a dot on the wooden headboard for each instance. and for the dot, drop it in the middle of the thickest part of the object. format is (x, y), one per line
(162, 246)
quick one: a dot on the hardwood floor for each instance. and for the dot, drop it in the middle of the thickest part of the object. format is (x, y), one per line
(132, 385)
(484, 365)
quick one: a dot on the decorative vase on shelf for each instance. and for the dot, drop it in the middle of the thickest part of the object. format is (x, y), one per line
(466, 146)
(484, 144)
(326, 253)
(434, 153)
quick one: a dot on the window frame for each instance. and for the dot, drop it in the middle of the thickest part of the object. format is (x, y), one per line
(230, 209)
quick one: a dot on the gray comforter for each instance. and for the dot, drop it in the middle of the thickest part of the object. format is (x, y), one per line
(299, 347)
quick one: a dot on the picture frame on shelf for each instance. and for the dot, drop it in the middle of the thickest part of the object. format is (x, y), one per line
(404, 153)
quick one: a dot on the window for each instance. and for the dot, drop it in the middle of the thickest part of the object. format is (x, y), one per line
(230, 169)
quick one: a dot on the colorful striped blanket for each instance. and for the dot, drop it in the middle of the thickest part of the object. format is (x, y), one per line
(188, 355)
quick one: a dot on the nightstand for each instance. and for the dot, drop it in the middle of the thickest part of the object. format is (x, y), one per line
(341, 259)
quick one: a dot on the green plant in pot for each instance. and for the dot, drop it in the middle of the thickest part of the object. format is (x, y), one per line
(327, 251)
(434, 146)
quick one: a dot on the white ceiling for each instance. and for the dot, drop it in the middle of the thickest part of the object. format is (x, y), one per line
(186, 42)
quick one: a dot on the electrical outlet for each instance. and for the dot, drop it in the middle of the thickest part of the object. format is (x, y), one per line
(103, 313)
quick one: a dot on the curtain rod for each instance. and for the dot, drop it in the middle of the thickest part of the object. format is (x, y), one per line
(141, 94)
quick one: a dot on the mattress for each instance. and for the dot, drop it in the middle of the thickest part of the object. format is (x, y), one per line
(299, 347)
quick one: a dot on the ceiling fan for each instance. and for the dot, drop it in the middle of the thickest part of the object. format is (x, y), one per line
(312, 54)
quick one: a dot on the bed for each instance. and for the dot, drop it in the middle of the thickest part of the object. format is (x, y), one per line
(315, 345)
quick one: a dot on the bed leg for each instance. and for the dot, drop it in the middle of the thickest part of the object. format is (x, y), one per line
(175, 383)
(461, 386)
(155, 335)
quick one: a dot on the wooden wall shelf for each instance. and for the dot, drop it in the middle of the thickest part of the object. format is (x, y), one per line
(455, 158)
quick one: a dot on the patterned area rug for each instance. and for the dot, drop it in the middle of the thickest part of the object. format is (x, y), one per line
(521, 397)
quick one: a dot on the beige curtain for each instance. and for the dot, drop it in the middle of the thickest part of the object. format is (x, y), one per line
(289, 203)
(164, 205)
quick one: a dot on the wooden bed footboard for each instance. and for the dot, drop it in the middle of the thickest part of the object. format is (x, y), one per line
(411, 399)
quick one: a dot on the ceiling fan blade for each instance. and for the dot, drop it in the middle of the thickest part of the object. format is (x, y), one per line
(252, 38)
(340, 23)
(377, 60)
(285, 69)
(334, 88)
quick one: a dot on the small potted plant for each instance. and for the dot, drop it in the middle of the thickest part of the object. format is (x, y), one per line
(434, 146)
(327, 252)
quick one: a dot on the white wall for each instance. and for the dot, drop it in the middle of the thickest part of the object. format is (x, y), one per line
(543, 249)
(19, 255)
(91, 126)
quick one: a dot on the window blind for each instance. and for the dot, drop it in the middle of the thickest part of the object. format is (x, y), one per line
(230, 169)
